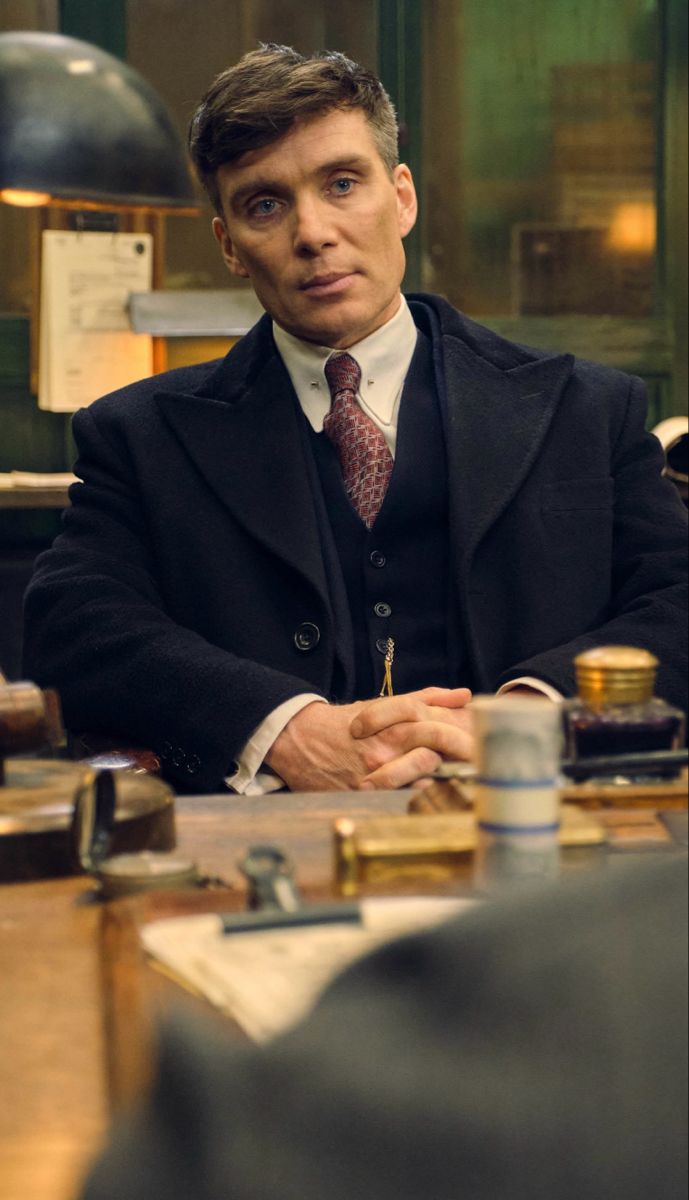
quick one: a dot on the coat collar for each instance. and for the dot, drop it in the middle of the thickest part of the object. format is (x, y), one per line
(240, 429)
(499, 401)
(497, 423)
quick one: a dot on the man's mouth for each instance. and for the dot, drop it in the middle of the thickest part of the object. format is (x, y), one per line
(328, 284)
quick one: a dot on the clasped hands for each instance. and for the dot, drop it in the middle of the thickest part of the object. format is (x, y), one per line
(385, 743)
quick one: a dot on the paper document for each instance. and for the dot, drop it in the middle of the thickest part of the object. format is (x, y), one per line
(36, 479)
(269, 980)
(86, 345)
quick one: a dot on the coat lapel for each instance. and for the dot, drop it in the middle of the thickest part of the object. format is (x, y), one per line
(250, 452)
(496, 423)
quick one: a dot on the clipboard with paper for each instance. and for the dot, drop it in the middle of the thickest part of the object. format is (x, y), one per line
(87, 348)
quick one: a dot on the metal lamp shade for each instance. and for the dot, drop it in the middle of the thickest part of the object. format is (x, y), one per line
(82, 128)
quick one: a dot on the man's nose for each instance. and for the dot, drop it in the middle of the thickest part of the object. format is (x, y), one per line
(314, 226)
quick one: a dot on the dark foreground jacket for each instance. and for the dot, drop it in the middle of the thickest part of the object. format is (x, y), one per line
(533, 1052)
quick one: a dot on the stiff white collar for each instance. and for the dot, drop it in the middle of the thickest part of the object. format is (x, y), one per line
(384, 357)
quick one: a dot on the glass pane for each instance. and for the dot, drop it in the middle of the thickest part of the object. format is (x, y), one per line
(539, 181)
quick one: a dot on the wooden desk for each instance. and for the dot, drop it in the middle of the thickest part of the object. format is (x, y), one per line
(54, 1106)
(53, 1103)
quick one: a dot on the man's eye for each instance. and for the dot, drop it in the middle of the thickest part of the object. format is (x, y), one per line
(263, 208)
(343, 186)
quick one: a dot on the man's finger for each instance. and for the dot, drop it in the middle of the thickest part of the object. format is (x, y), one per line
(400, 772)
(450, 741)
(378, 715)
(446, 697)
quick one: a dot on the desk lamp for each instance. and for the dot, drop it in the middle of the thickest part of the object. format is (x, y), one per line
(81, 129)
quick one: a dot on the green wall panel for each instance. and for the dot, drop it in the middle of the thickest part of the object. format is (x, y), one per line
(30, 440)
(102, 22)
(400, 66)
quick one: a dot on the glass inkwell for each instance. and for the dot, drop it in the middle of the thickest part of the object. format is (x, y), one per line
(617, 714)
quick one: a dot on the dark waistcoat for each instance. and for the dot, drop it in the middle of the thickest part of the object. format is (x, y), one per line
(396, 574)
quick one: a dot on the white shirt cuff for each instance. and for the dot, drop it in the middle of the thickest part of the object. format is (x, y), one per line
(249, 779)
(538, 685)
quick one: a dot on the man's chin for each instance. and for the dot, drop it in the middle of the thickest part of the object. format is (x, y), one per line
(337, 324)
(335, 334)
(340, 330)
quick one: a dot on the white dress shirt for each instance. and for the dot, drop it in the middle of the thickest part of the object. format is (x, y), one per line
(384, 358)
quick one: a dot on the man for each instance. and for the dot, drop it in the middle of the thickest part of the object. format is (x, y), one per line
(530, 1051)
(241, 556)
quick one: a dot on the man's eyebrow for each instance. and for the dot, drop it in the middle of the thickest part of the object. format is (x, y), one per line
(243, 192)
(352, 162)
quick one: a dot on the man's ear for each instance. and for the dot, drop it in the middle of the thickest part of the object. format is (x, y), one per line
(232, 261)
(407, 206)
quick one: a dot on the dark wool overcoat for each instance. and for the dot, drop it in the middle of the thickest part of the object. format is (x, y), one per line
(178, 606)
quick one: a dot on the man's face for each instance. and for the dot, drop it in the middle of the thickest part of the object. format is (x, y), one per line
(316, 221)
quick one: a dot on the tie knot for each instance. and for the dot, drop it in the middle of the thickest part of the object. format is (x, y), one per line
(343, 373)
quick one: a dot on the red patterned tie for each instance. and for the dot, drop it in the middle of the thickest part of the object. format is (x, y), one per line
(363, 452)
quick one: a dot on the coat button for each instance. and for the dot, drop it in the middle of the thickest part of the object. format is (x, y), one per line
(381, 609)
(307, 636)
(382, 645)
(165, 751)
(179, 758)
(377, 559)
(193, 764)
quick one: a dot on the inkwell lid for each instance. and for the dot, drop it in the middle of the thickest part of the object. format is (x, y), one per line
(615, 675)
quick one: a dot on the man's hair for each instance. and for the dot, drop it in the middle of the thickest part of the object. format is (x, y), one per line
(259, 100)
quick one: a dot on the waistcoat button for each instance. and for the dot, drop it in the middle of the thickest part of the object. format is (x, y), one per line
(382, 645)
(381, 609)
(377, 559)
(307, 636)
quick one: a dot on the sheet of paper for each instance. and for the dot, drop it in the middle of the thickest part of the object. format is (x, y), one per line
(269, 980)
(86, 345)
(36, 479)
